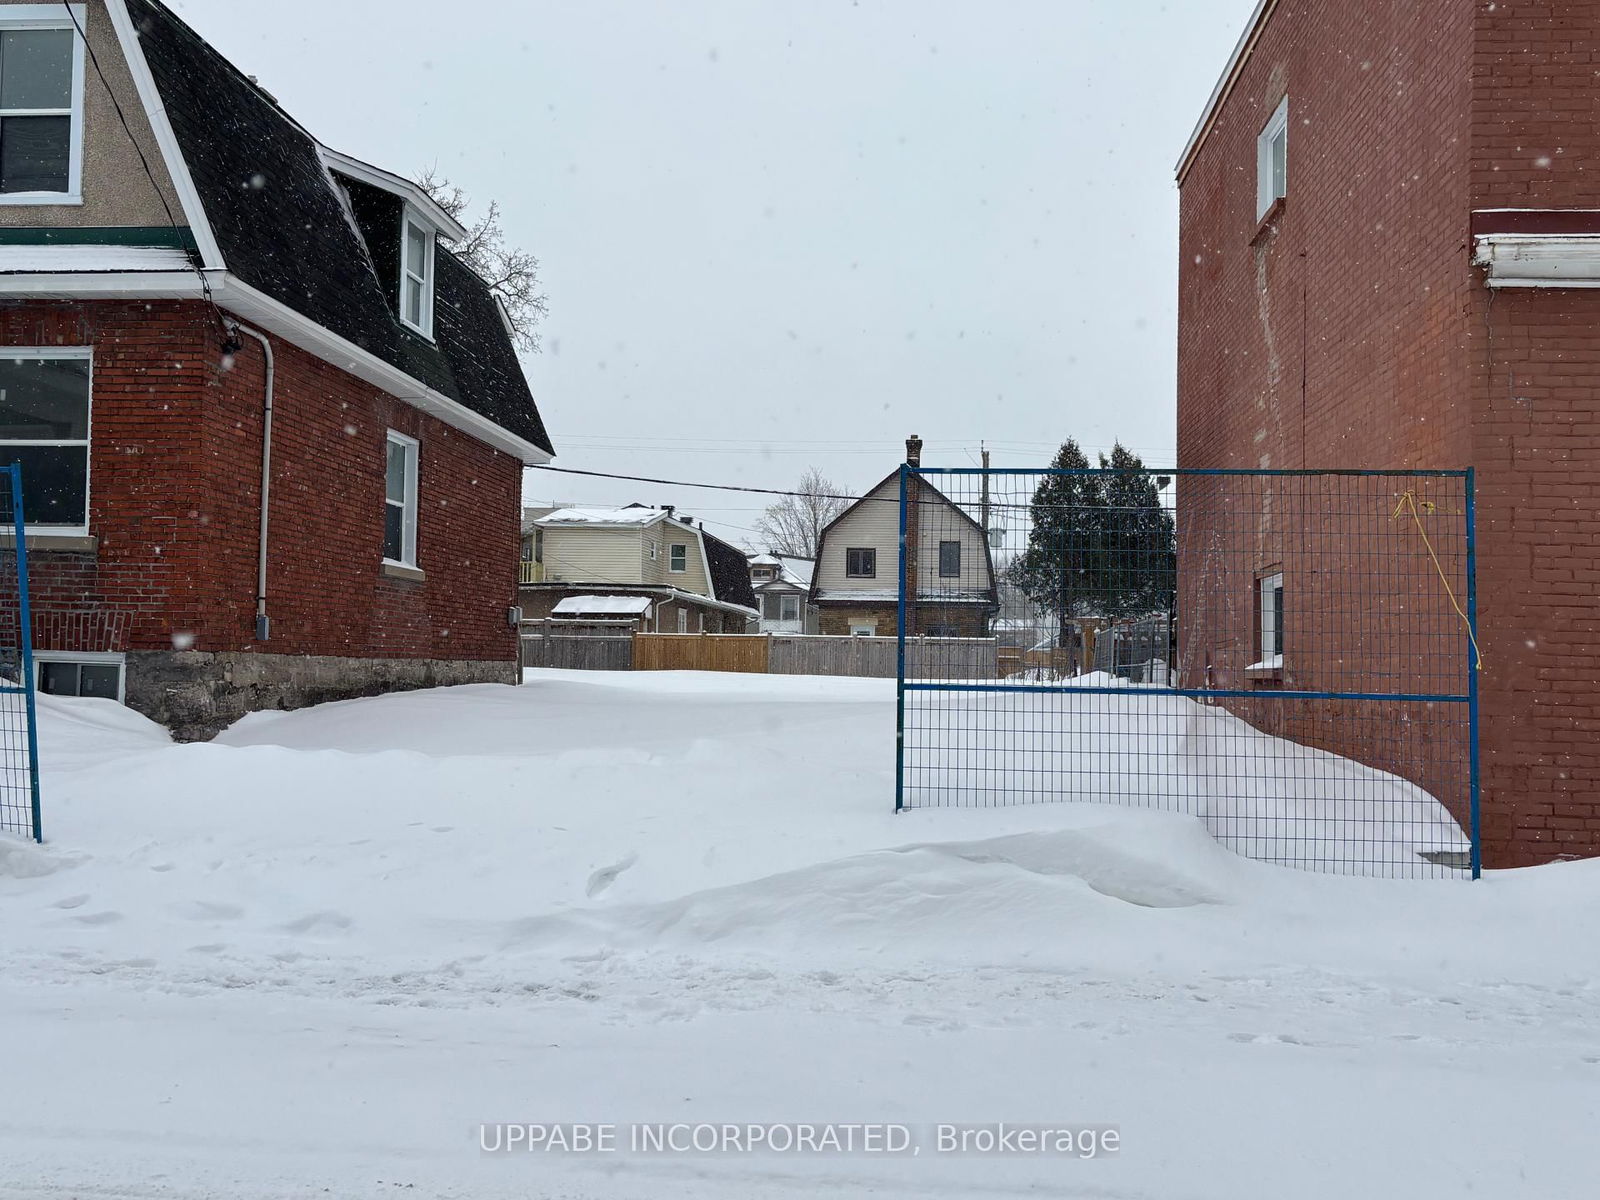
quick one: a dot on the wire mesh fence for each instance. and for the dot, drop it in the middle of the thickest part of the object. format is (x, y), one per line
(19, 748)
(1288, 656)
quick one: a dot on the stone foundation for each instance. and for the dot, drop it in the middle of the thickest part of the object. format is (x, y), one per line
(197, 694)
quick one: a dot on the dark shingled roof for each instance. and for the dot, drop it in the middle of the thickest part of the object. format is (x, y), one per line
(284, 230)
(730, 572)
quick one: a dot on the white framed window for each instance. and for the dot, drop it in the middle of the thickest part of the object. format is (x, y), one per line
(864, 629)
(650, 549)
(79, 673)
(416, 274)
(702, 615)
(44, 425)
(400, 501)
(1270, 604)
(683, 619)
(41, 104)
(678, 558)
(790, 608)
(949, 560)
(1272, 159)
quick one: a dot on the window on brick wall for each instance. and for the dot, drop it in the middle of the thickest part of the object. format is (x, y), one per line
(1269, 621)
(1272, 159)
(61, 673)
(41, 104)
(400, 501)
(44, 425)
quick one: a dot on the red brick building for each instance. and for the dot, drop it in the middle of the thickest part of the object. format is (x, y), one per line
(272, 430)
(1390, 241)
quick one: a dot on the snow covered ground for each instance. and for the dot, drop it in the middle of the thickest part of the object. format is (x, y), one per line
(313, 957)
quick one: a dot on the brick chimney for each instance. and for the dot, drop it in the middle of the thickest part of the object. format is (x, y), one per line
(913, 532)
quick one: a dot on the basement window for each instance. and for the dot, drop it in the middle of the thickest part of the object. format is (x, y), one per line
(41, 104)
(416, 274)
(1272, 159)
(44, 425)
(400, 501)
(67, 673)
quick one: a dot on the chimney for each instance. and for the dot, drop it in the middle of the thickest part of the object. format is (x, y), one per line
(913, 534)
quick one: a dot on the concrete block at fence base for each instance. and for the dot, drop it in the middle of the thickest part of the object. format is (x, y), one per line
(197, 694)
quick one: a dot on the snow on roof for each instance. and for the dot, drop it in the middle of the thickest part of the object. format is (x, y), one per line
(54, 257)
(790, 568)
(601, 604)
(602, 516)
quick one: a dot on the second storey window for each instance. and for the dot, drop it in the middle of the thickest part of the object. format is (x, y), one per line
(400, 501)
(1272, 159)
(678, 558)
(41, 106)
(861, 562)
(416, 276)
(44, 425)
(949, 560)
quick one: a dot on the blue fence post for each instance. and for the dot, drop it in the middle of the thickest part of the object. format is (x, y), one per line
(25, 645)
(900, 656)
(1474, 668)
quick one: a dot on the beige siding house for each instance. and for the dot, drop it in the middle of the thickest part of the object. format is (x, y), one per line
(856, 583)
(688, 580)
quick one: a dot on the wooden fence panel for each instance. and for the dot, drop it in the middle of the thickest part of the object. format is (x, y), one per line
(874, 657)
(595, 649)
(745, 652)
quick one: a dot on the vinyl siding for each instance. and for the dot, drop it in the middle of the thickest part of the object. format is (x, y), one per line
(876, 523)
(592, 555)
(694, 579)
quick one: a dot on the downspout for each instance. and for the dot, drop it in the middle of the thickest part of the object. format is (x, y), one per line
(263, 623)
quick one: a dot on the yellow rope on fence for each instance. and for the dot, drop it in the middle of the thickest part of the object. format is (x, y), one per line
(1409, 501)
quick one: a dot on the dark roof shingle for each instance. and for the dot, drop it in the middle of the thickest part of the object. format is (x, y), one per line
(283, 229)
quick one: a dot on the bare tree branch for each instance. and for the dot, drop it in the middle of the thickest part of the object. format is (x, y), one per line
(794, 524)
(511, 274)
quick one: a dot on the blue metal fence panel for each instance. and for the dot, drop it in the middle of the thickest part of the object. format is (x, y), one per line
(1312, 703)
(19, 738)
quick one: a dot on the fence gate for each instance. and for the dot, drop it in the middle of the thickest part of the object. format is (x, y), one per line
(19, 742)
(1288, 655)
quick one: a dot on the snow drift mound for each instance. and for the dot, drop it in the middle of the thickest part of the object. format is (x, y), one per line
(997, 899)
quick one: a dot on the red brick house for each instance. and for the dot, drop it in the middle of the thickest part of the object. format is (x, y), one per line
(272, 430)
(1389, 250)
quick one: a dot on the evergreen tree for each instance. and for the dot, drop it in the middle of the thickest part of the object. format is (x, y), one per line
(1101, 545)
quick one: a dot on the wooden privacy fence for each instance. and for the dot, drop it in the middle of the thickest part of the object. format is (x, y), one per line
(700, 652)
(615, 646)
(874, 657)
(592, 646)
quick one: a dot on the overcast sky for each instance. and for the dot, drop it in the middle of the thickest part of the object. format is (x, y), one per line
(783, 234)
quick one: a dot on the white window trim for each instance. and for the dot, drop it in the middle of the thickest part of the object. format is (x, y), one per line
(83, 352)
(98, 658)
(683, 619)
(54, 16)
(1270, 634)
(672, 548)
(413, 219)
(1266, 192)
(864, 630)
(408, 524)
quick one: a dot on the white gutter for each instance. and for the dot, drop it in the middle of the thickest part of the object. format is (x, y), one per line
(263, 625)
(1230, 73)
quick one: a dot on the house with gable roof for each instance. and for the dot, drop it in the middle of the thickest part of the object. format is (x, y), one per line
(272, 429)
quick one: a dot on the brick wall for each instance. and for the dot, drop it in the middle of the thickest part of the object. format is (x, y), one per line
(836, 619)
(1357, 334)
(174, 494)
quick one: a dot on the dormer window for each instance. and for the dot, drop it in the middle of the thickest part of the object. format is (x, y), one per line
(41, 104)
(416, 275)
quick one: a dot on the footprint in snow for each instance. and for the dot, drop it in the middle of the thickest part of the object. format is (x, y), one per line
(606, 876)
(99, 918)
(319, 922)
(72, 902)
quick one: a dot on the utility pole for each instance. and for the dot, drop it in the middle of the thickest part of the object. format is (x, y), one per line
(984, 503)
